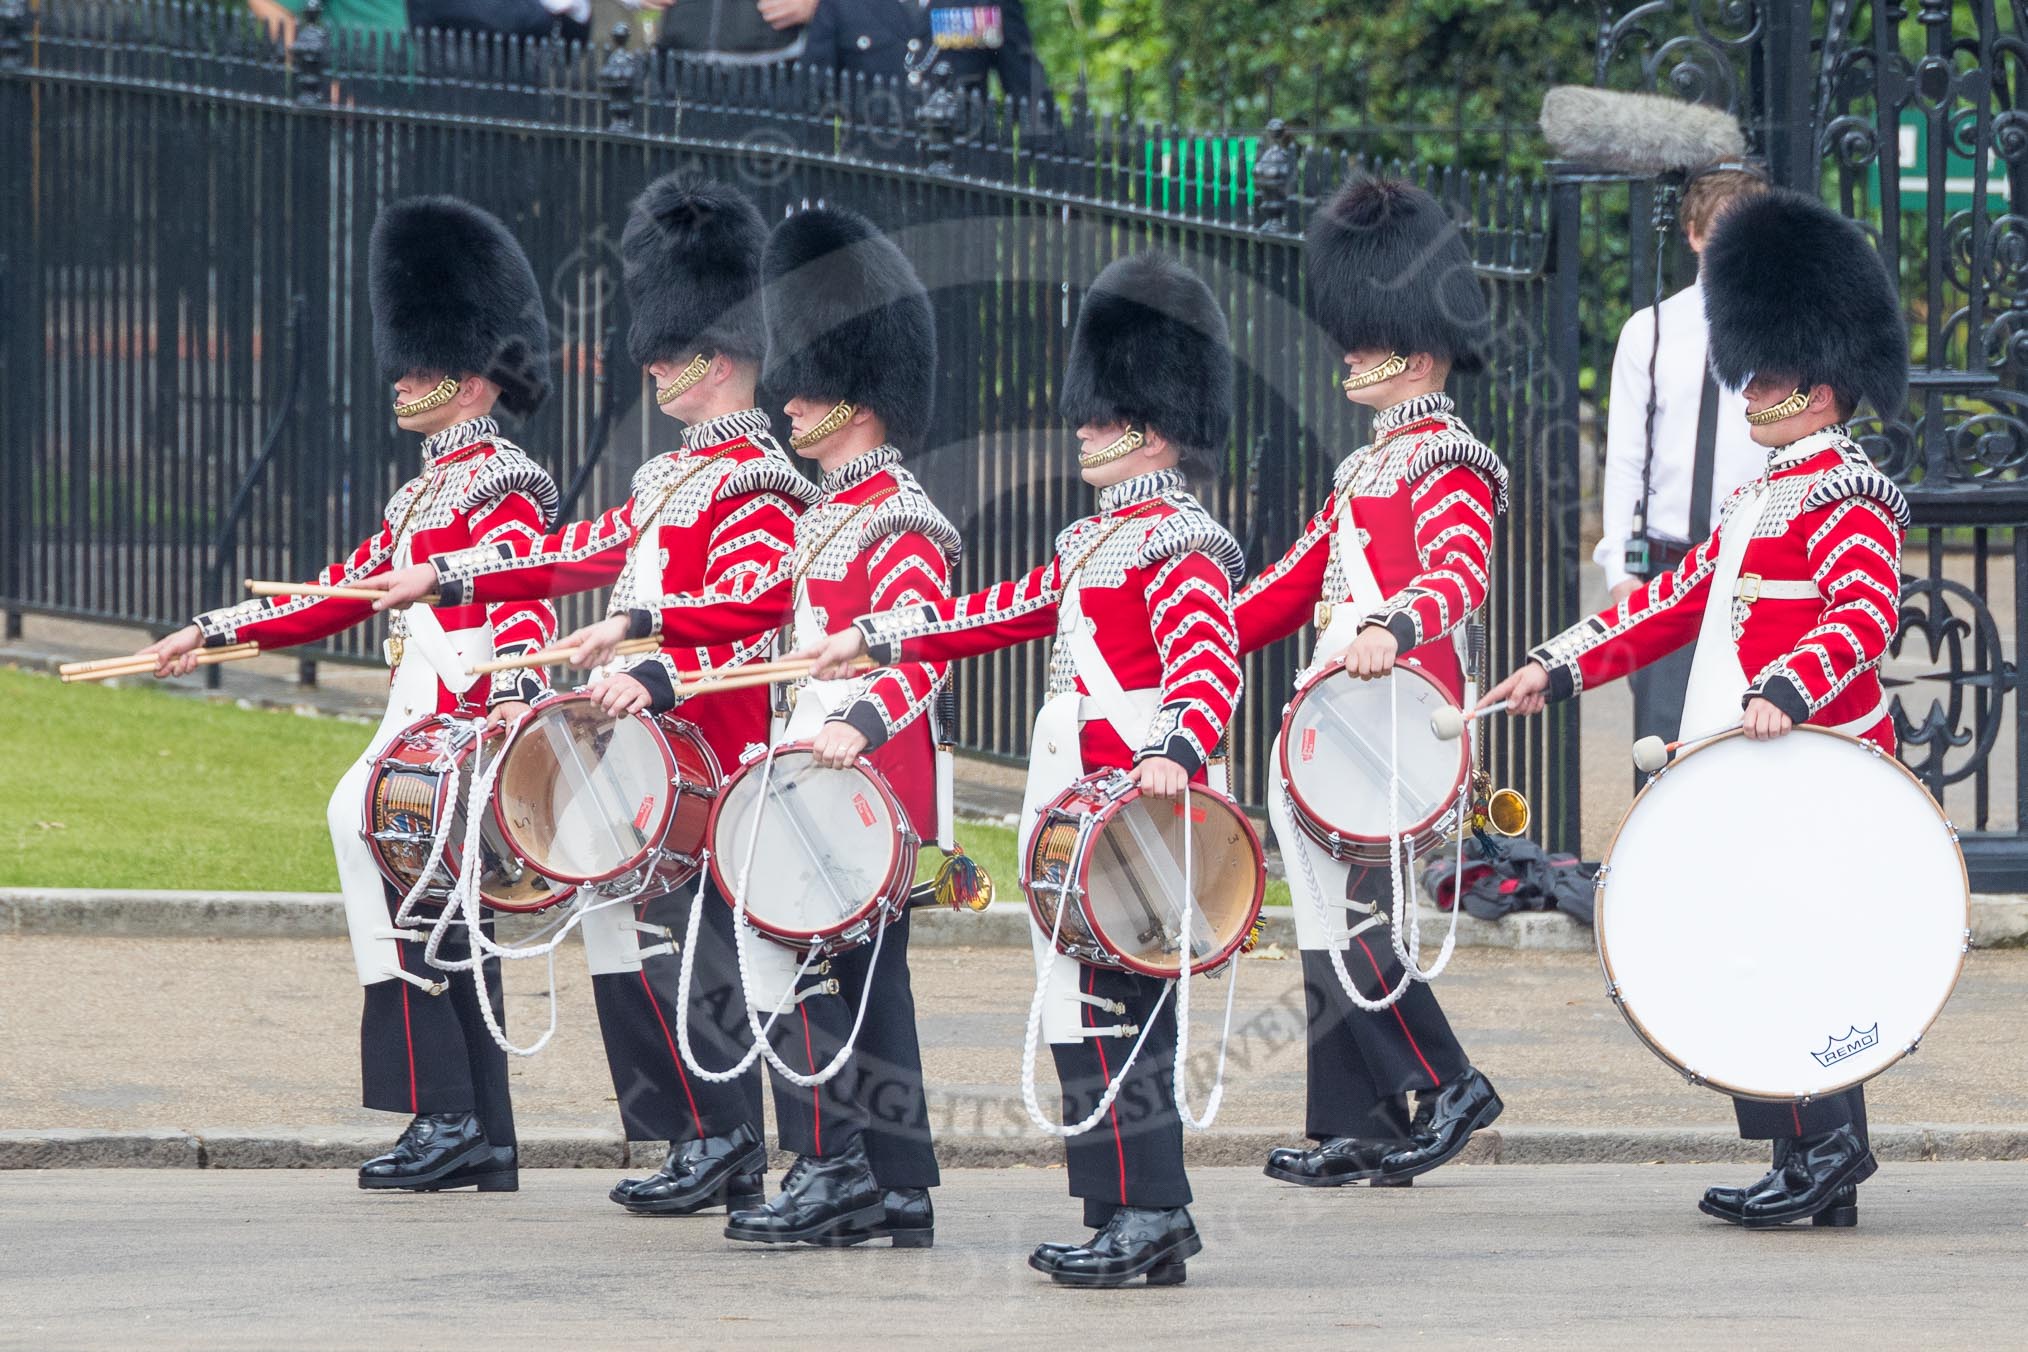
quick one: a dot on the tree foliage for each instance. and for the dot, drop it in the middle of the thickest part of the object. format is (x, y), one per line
(1427, 67)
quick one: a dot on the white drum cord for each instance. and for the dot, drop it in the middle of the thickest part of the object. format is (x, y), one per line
(1408, 941)
(762, 1045)
(1404, 910)
(465, 904)
(1180, 1075)
(1043, 959)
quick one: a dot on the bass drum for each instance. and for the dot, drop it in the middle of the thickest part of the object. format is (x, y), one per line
(420, 778)
(1782, 920)
(1334, 762)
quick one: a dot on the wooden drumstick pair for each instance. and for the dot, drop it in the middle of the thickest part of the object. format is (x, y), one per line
(261, 587)
(143, 664)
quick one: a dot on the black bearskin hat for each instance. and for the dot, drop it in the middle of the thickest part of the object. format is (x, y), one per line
(848, 319)
(691, 255)
(1388, 269)
(452, 291)
(1791, 286)
(1151, 347)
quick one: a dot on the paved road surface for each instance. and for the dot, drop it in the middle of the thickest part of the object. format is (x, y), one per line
(198, 1033)
(1557, 1256)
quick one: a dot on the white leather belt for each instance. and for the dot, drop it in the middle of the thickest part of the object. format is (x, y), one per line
(1753, 587)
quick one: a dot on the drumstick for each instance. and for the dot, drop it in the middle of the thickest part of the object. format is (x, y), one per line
(136, 659)
(744, 678)
(260, 587)
(144, 666)
(1449, 723)
(559, 655)
(1652, 753)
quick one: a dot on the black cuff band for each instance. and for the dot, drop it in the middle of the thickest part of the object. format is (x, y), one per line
(1401, 624)
(1179, 749)
(1561, 686)
(640, 624)
(1781, 692)
(864, 717)
(883, 654)
(654, 677)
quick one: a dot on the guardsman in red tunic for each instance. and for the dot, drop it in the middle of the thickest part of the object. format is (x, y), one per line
(1390, 567)
(458, 326)
(1794, 599)
(852, 347)
(1143, 678)
(715, 515)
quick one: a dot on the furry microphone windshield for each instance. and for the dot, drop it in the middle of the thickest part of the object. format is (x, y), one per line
(1638, 134)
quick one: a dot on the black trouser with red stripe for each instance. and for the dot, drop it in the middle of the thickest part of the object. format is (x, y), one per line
(1362, 1064)
(423, 1053)
(1789, 1121)
(1134, 1156)
(879, 1092)
(661, 1098)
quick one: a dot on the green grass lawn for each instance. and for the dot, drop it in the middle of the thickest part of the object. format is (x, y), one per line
(136, 788)
(132, 787)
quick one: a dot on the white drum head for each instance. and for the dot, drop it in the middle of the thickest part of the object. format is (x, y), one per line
(827, 848)
(1336, 746)
(1783, 919)
(584, 795)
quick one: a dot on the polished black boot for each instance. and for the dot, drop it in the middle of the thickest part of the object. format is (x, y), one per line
(716, 1170)
(1727, 1204)
(442, 1150)
(1137, 1240)
(906, 1218)
(1336, 1162)
(1818, 1178)
(1463, 1106)
(820, 1197)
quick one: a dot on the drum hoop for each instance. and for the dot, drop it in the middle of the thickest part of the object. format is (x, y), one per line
(894, 888)
(1081, 877)
(1313, 822)
(662, 815)
(1605, 959)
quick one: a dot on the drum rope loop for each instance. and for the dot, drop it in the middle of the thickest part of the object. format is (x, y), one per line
(762, 1043)
(465, 902)
(1043, 959)
(1180, 1077)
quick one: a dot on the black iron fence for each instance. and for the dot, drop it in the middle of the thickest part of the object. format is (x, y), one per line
(187, 396)
(191, 396)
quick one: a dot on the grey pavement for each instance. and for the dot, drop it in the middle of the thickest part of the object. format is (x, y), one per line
(1528, 1257)
(226, 1039)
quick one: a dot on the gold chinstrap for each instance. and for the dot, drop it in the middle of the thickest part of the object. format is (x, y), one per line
(840, 414)
(1373, 375)
(1125, 444)
(445, 391)
(685, 380)
(1787, 408)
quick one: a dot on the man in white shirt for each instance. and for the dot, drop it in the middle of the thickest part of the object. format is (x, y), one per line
(1655, 423)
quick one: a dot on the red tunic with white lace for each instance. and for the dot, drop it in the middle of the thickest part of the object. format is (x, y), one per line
(716, 516)
(1154, 574)
(477, 490)
(1422, 497)
(1816, 606)
(875, 540)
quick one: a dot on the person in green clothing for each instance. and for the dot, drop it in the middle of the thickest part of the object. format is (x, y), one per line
(352, 16)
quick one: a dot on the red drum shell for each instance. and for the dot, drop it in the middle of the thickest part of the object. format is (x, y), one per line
(886, 900)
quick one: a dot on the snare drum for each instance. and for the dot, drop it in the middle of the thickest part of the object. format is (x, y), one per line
(835, 856)
(585, 797)
(420, 779)
(1782, 920)
(1334, 762)
(1118, 857)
